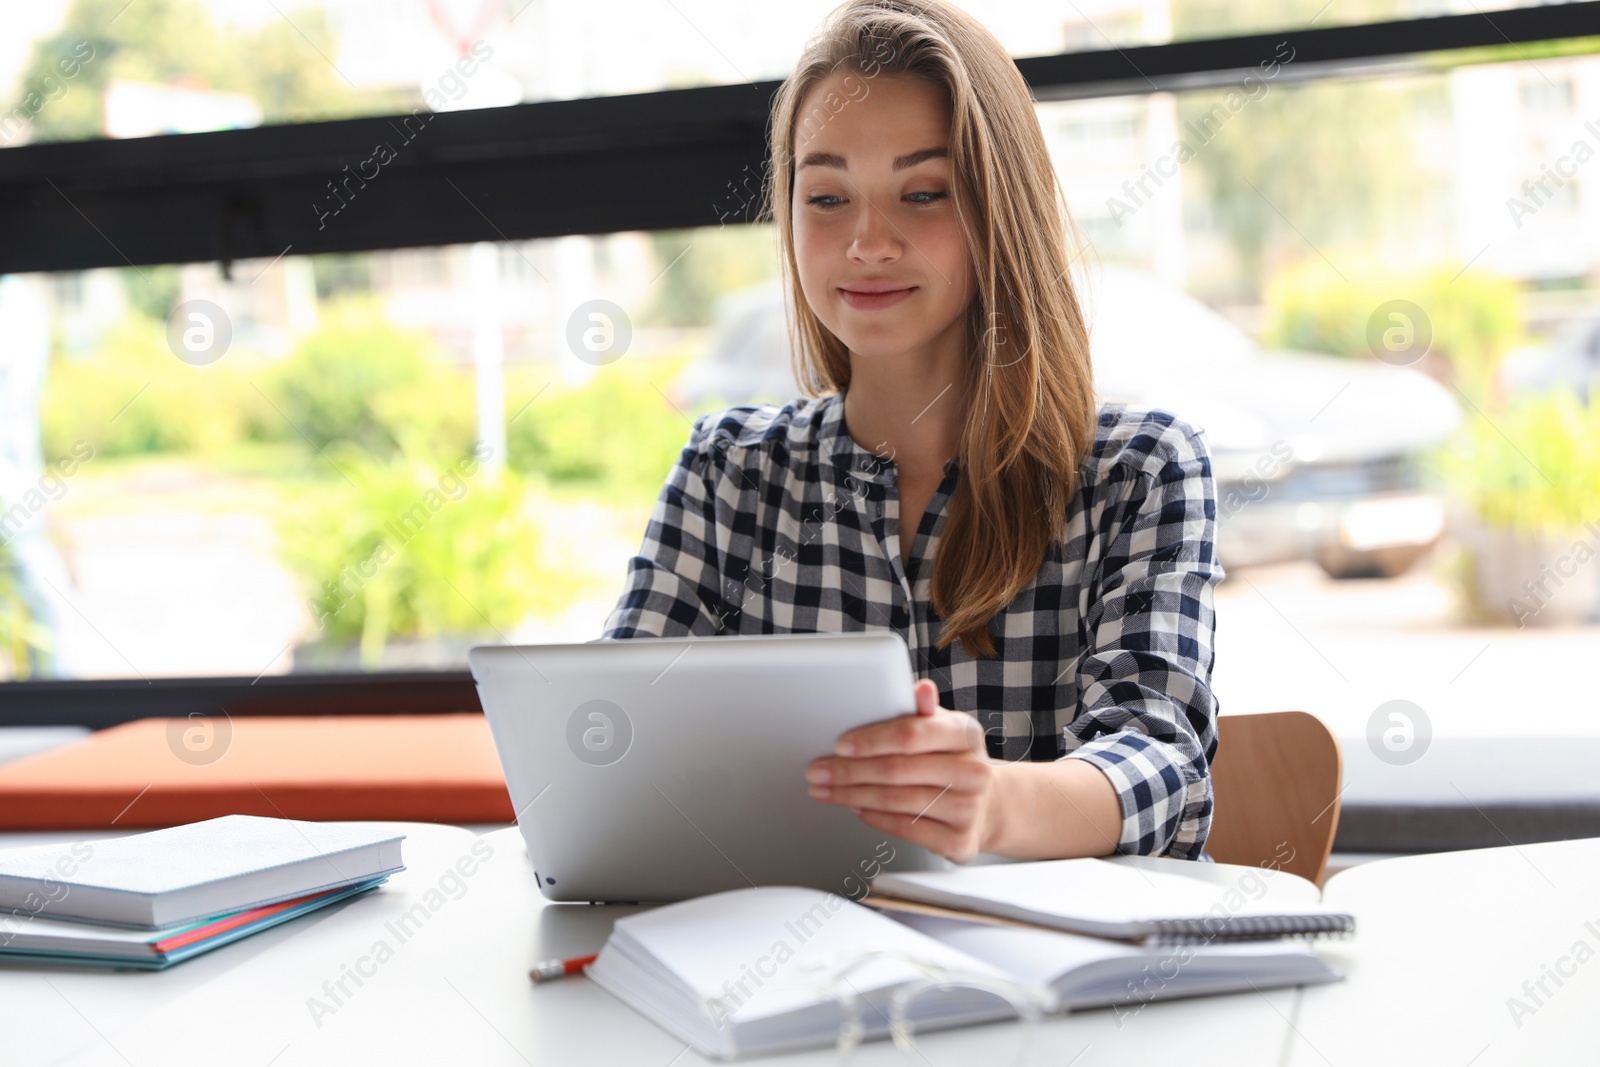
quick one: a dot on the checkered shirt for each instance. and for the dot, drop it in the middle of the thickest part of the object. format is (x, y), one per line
(774, 520)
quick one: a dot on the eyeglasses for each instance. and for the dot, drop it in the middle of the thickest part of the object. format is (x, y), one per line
(830, 978)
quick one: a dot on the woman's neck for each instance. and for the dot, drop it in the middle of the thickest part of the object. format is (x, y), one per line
(910, 406)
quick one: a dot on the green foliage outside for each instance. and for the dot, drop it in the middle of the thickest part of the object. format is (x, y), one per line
(153, 290)
(616, 433)
(1475, 315)
(361, 380)
(1533, 469)
(358, 378)
(133, 396)
(379, 405)
(386, 411)
(175, 42)
(418, 549)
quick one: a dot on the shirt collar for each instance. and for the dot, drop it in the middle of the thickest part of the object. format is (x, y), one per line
(848, 457)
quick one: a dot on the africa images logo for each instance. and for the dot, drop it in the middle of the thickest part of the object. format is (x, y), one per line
(599, 732)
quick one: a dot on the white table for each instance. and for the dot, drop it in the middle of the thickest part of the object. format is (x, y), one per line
(1443, 943)
(456, 990)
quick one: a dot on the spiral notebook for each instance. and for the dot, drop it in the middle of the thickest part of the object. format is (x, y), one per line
(1118, 900)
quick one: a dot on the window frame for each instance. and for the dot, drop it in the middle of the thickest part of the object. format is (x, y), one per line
(555, 168)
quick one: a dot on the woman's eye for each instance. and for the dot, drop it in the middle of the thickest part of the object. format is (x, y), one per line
(826, 200)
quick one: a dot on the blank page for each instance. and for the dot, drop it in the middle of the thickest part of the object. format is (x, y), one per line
(767, 937)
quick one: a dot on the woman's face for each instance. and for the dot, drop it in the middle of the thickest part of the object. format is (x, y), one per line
(882, 259)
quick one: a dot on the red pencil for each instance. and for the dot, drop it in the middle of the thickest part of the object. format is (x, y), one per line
(549, 969)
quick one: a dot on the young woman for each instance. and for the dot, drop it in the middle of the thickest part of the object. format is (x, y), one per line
(1050, 565)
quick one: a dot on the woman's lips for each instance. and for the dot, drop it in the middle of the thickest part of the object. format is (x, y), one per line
(875, 301)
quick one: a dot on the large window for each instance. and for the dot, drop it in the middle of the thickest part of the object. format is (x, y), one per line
(342, 463)
(1378, 295)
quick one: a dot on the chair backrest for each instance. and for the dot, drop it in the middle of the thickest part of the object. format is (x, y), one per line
(1276, 783)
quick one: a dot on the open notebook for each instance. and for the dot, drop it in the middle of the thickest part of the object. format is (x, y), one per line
(771, 969)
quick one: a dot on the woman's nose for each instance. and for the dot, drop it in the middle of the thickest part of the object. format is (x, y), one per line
(874, 238)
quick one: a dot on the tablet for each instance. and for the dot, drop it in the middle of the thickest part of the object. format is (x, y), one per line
(653, 769)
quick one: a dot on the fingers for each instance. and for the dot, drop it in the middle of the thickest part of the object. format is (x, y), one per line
(918, 801)
(924, 777)
(940, 818)
(943, 806)
(957, 770)
(936, 731)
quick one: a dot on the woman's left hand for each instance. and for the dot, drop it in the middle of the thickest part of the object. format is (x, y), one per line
(925, 777)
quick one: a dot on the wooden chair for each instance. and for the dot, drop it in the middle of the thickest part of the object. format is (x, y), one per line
(1276, 781)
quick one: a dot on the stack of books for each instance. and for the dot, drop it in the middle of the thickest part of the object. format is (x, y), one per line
(776, 968)
(150, 900)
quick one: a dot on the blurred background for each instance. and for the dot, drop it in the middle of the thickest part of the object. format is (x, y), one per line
(1379, 296)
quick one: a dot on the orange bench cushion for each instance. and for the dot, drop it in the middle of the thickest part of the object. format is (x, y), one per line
(422, 768)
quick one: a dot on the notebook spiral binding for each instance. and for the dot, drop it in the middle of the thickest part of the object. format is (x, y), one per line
(1251, 928)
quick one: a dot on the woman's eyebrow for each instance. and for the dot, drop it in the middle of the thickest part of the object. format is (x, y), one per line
(921, 155)
(829, 159)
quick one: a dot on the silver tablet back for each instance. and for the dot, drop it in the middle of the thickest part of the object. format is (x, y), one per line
(666, 768)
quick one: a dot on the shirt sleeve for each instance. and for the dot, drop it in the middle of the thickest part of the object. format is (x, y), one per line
(672, 587)
(1147, 714)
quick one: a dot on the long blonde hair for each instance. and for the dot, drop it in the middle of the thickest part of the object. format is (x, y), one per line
(1031, 407)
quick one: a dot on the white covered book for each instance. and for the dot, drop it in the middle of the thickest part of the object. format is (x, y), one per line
(185, 873)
